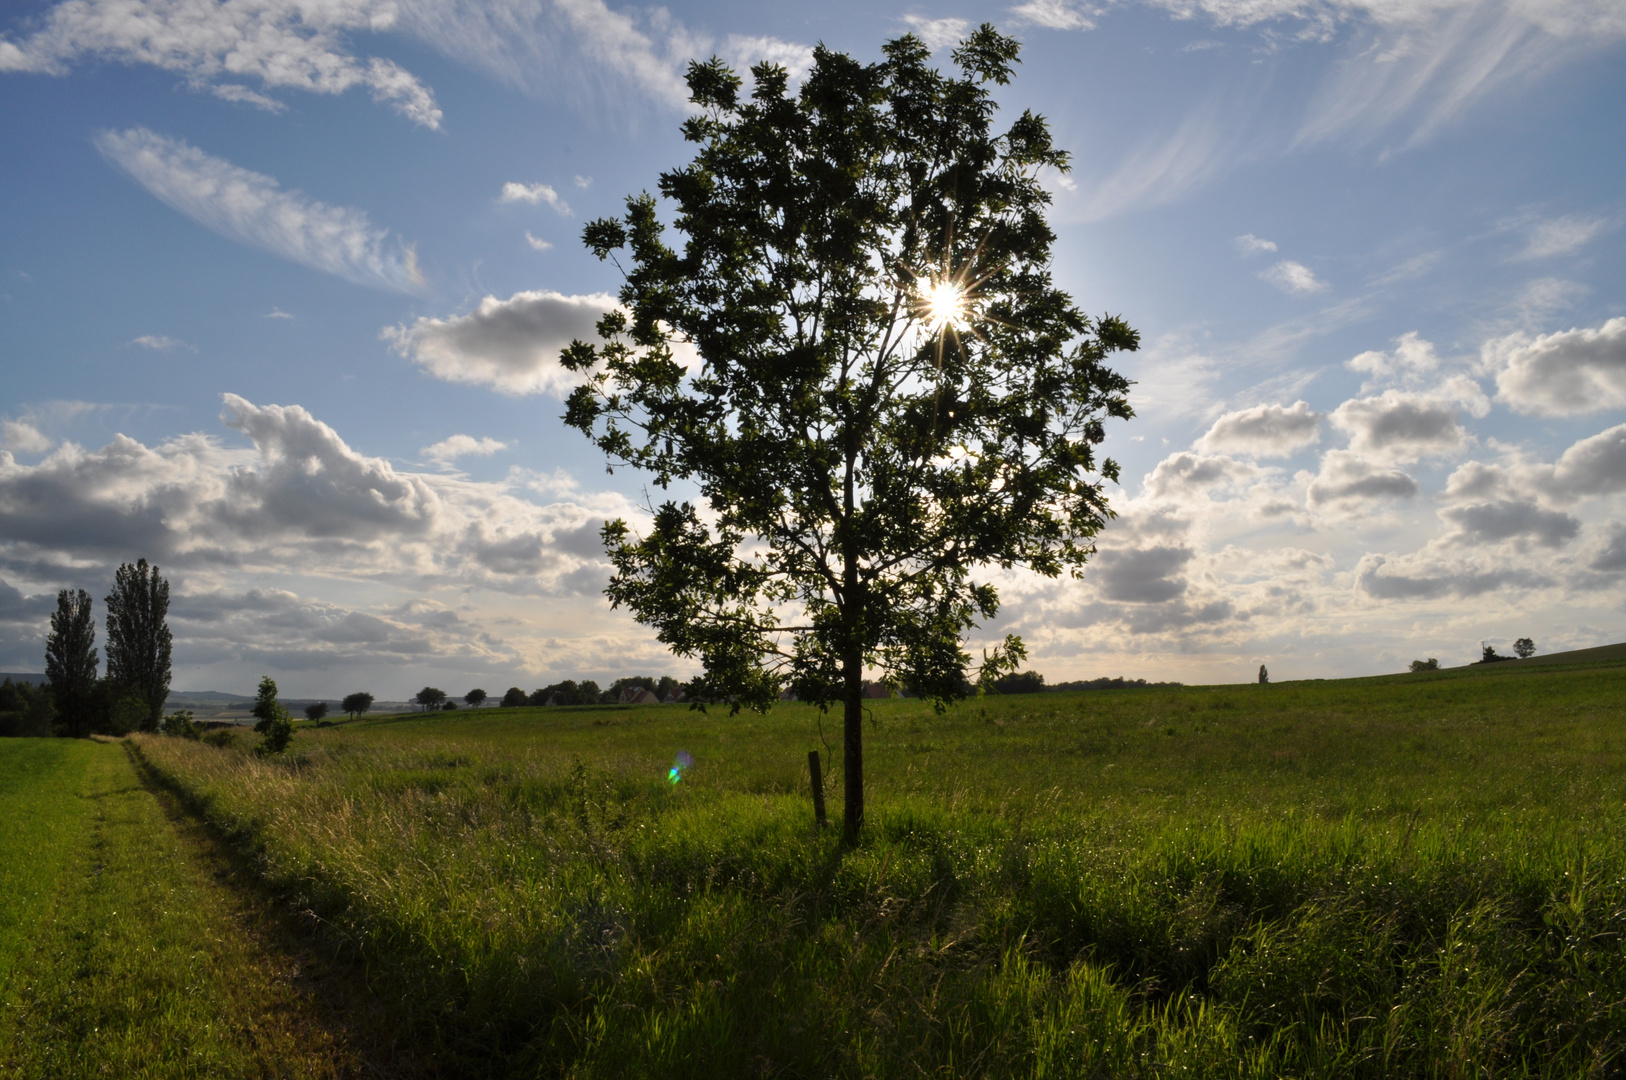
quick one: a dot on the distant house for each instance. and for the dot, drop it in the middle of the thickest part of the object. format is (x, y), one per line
(637, 695)
(877, 690)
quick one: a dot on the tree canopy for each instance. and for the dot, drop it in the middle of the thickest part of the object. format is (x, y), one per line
(356, 704)
(859, 362)
(138, 637)
(70, 662)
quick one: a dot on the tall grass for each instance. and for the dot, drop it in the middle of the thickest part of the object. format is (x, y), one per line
(1371, 878)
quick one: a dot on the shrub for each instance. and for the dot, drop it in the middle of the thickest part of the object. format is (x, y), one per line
(179, 724)
(1430, 664)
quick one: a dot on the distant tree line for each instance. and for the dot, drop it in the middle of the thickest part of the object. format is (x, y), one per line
(1523, 649)
(75, 701)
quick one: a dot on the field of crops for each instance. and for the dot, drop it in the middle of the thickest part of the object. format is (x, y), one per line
(1407, 876)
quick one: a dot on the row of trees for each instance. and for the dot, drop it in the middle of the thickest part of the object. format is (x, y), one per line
(130, 697)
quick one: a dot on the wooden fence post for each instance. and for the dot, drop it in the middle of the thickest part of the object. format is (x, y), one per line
(817, 776)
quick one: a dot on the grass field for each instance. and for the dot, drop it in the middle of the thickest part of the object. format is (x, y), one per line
(130, 956)
(1404, 876)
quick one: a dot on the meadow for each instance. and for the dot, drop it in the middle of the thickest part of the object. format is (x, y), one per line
(1420, 875)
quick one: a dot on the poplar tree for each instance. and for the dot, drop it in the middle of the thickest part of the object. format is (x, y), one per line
(70, 662)
(858, 360)
(138, 638)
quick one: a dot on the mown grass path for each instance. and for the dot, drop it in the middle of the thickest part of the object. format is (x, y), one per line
(132, 950)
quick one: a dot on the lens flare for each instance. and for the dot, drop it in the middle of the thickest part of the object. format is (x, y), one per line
(946, 306)
(682, 762)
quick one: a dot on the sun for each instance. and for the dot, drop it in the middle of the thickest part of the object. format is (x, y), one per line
(946, 305)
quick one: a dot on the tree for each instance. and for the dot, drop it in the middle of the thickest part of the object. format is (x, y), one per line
(1431, 664)
(273, 723)
(430, 698)
(474, 697)
(25, 709)
(1488, 654)
(889, 396)
(1524, 648)
(514, 698)
(138, 638)
(1264, 676)
(70, 662)
(315, 711)
(356, 704)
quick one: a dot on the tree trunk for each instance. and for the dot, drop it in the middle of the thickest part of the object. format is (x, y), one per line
(852, 775)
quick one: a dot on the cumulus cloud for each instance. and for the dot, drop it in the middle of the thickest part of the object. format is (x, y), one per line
(1348, 482)
(1293, 278)
(283, 44)
(1249, 244)
(937, 33)
(1610, 558)
(1149, 575)
(1428, 576)
(1397, 427)
(24, 436)
(1593, 466)
(1511, 519)
(510, 345)
(533, 193)
(1264, 431)
(1563, 374)
(299, 497)
(251, 208)
(280, 629)
(1413, 359)
(457, 446)
(1182, 476)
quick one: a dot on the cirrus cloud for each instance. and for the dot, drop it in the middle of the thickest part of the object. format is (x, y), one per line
(253, 209)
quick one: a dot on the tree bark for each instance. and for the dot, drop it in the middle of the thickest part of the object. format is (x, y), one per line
(852, 774)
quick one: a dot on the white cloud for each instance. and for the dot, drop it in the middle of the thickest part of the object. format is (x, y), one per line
(1400, 427)
(1423, 65)
(300, 500)
(1349, 483)
(533, 194)
(537, 243)
(450, 449)
(744, 52)
(1264, 431)
(1563, 374)
(1293, 278)
(1595, 465)
(160, 343)
(251, 208)
(1565, 235)
(276, 313)
(1413, 359)
(1057, 14)
(1249, 244)
(583, 182)
(24, 436)
(510, 345)
(285, 44)
(937, 33)
(1431, 576)
(1519, 520)
(1183, 476)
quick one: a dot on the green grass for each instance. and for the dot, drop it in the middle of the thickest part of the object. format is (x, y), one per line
(130, 956)
(41, 821)
(1406, 876)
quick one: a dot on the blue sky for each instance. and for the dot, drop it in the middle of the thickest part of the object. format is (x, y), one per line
(282, 286)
